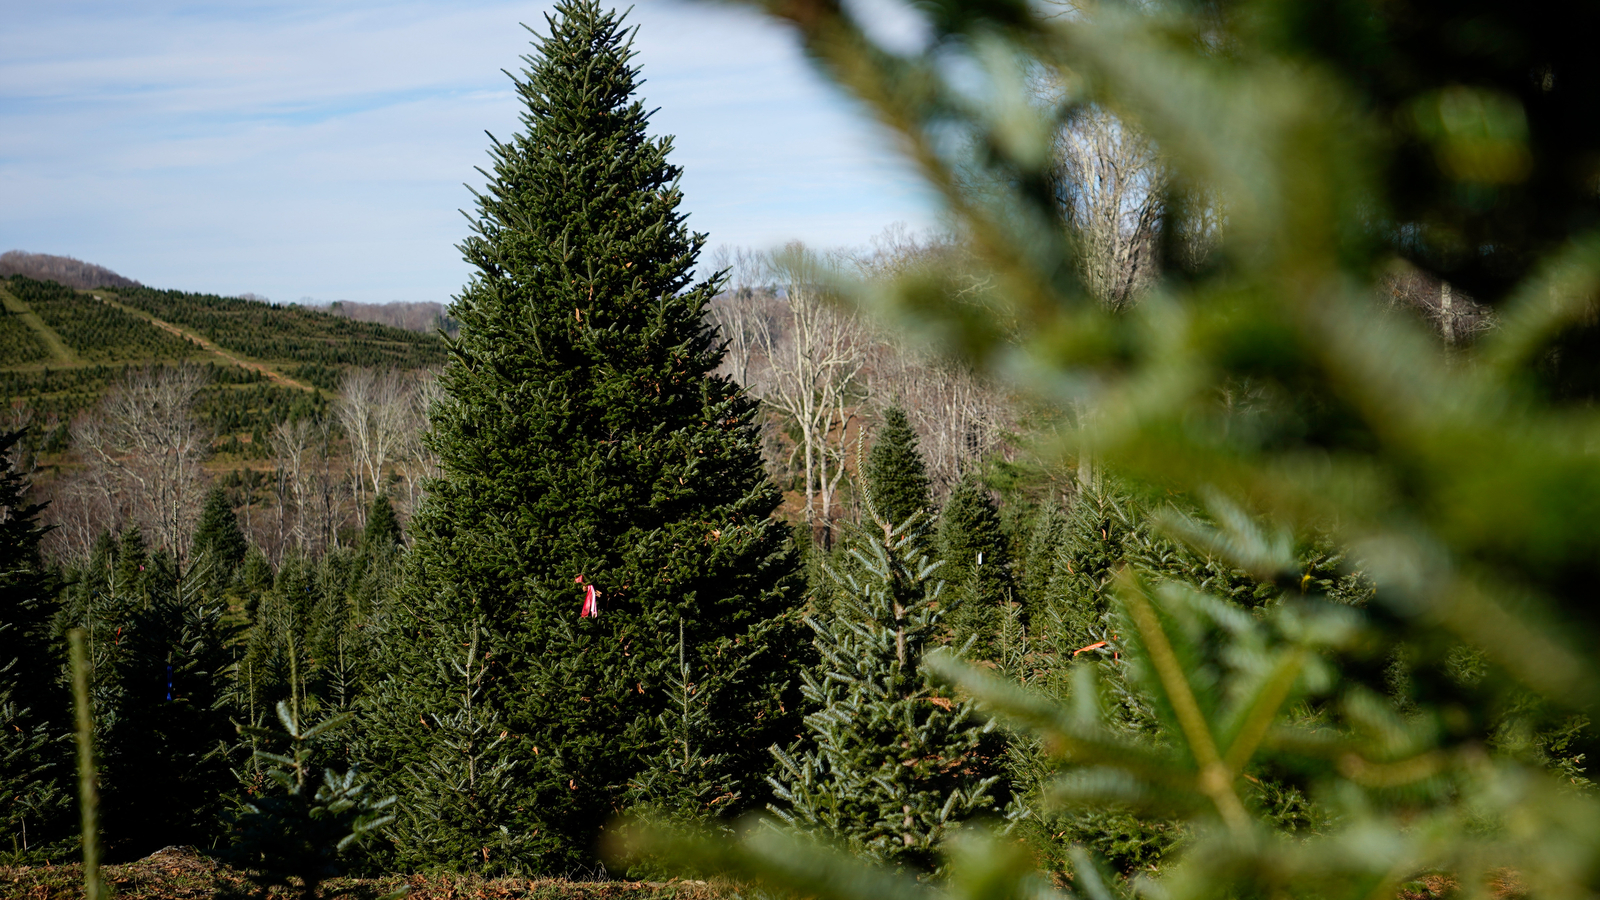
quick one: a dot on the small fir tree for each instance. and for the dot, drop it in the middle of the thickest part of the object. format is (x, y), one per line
(890, 764)
(383, 527)
(684, 783)
(219, 544)
(586, 450)
(304, 819)
(454, 794)
(977, 566)
(167, 742)
(35, 805)
(895, 472)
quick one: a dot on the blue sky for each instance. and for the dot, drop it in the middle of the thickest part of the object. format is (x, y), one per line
(318, 149)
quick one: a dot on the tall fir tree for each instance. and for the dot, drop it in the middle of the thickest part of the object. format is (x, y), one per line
(585, 449)
(977, 565)
(895, 472)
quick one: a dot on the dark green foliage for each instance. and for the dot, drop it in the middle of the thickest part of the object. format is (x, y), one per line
(692, 778)
(303, 818)
(160, 661)
(322, 377)
(1040, 546)
(34, 783)
(54, 397)
(977, 566)
(219, 545)
(94, 329)
(19, 345)
(255, 409)
(311, 627)
(895, 474)
(269, 331)
(583, 435)
(454, 795)
(889, 765)
(35, 800)
(383, 527)
(27, 591)
(166, 747)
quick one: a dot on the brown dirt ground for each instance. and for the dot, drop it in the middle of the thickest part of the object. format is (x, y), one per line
(182, 874)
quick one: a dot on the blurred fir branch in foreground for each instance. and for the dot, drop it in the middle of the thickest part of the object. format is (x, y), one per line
(1306, 153)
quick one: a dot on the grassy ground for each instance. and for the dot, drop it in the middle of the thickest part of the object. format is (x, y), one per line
(183, 875)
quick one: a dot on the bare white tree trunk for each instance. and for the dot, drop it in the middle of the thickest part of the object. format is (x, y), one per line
(1111, 184)
(811, 358)
(292, 449)
(421, 460)
(146, 436)
(375, 409)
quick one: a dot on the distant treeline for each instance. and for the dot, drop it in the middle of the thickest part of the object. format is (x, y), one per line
(425, 317)
(62, 269)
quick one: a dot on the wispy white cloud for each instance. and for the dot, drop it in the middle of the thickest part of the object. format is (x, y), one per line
(319, 148)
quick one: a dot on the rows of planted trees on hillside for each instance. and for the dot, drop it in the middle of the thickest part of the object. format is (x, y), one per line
(1261, 578)
(19, 344)
(274, 332)
(93, 329)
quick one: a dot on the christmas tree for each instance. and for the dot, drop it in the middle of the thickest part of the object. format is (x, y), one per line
(977, 565)
(303, 819)
(599, 486)
(895, 470)
(34, 812)
(892, 763)
(219, 544)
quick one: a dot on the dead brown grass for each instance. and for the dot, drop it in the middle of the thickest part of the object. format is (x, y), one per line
(182, 874)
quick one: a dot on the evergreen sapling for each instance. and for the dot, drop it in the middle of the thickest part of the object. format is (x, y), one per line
(890, 765)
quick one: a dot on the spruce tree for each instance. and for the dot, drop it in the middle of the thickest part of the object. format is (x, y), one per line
(895, 472)
(166, 743)
(891, 762)
(584, 443)
(977, 565)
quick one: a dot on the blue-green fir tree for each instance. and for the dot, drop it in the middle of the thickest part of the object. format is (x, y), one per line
(585, 449)
(977, 566)
(895, 470)
(890, 762)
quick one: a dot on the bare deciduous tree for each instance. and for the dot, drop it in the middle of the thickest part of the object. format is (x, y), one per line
(375, 410)
(811, 355)
(421, 461)
(1110, 182)
(146, 444)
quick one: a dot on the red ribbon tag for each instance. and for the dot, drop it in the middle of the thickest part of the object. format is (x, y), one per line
(590, 607)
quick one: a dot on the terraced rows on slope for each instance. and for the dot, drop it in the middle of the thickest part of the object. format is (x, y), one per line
(97, 332)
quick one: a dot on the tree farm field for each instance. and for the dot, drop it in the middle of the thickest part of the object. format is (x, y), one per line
(1207, 510)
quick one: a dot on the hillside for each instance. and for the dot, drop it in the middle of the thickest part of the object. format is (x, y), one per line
(60, 269)
(61, 347)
